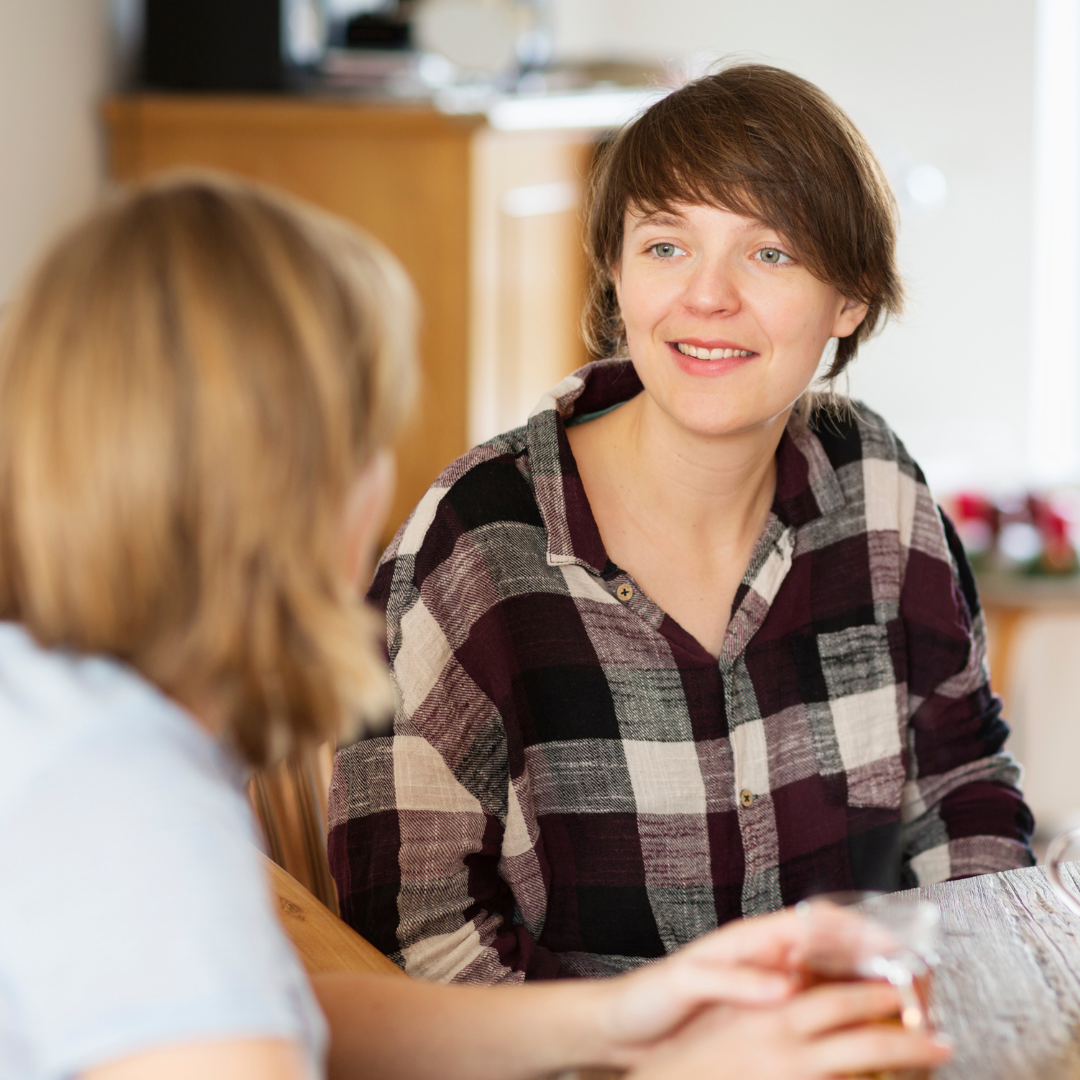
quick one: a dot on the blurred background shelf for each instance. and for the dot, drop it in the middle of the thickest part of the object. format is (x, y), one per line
(1033, 632)
(486, 221)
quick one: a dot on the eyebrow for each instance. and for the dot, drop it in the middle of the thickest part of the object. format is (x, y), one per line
(661, 218)
(667, 220)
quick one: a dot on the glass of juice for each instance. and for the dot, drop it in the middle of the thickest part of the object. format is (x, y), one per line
(899, 946)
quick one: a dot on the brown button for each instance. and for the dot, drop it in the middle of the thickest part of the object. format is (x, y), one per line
(625, 592)
(746, 797)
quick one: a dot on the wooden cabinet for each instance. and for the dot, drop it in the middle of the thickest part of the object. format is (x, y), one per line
(486, 222)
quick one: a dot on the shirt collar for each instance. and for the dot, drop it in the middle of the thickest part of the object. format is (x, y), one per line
(807, 487)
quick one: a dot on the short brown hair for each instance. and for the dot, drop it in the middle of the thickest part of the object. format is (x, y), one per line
(761, 142)
(189, 384)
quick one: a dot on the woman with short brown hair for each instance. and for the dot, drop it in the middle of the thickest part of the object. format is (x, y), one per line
(790, 157)
(692, 644)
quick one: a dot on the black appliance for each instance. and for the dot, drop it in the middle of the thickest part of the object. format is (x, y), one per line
(214, 45)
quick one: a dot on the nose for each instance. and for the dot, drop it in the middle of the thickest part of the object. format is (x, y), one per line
(711, 288)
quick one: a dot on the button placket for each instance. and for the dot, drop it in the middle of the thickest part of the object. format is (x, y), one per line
(749, 745)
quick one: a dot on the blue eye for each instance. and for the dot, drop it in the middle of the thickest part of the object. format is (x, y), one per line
(666, 251)
(773, 256)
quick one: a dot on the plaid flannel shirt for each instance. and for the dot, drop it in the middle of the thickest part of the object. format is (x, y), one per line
(574, 784)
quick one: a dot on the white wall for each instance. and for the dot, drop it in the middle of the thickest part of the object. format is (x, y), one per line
(945, 83)
(948, 83)
(54, 64)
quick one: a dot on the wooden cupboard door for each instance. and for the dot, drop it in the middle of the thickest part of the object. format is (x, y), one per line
(487, 224)
(528, 271)
(402, 174)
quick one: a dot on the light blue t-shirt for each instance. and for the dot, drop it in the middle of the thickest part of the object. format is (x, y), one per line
(134, 912)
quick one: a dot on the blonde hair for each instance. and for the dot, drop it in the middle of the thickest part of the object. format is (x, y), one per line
(190, 382)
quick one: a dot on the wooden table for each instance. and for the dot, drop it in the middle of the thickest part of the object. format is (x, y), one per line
(1008, 986)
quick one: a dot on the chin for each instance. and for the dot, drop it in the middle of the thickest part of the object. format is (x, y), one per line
(713, 426)
(713, 416)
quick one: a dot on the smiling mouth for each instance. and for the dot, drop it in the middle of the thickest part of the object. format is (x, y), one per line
(701, 353)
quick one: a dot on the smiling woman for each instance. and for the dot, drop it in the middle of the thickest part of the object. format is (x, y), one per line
(690, 645)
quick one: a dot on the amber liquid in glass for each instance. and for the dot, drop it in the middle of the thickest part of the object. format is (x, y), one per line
(923, 984)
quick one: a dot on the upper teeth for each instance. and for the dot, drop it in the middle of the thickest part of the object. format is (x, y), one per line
(710, 354)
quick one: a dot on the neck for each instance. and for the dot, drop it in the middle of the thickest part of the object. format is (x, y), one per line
(711, 486)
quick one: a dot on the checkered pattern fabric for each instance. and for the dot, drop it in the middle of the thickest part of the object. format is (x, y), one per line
(574, 785)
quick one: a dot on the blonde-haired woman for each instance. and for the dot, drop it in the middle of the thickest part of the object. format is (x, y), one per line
(196, 387)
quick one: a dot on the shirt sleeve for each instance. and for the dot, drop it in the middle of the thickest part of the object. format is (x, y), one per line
(963, 813)
(419, 818)
(135, 914)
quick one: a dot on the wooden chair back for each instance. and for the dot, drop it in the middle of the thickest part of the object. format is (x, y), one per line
(290, 801)
(325, 944)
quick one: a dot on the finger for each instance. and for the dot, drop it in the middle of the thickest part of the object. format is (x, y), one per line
(786, 938)
(737, 984)
(876, 1048)
(655, 1002)
(766, 940)
(840, 1005)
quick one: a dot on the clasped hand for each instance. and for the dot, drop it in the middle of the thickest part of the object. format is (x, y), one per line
(733, 1004)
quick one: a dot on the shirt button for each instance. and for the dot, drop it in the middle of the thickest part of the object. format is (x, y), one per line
(625, 592)
(746, 797)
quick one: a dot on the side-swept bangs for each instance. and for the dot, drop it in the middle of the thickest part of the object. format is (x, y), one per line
(760, 142)
(189, 384)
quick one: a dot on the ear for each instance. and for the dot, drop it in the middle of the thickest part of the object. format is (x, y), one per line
(365, 515)
(849, 318)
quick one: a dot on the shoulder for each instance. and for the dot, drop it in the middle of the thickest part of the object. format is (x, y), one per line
(881, 481)
(91, 718)
(869, 459)
(128, 830)
(482, 495)
(851, 432)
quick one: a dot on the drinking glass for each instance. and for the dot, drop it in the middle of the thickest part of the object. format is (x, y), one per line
(898, 946)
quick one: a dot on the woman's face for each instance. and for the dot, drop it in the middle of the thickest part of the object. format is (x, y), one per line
(725, 326)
